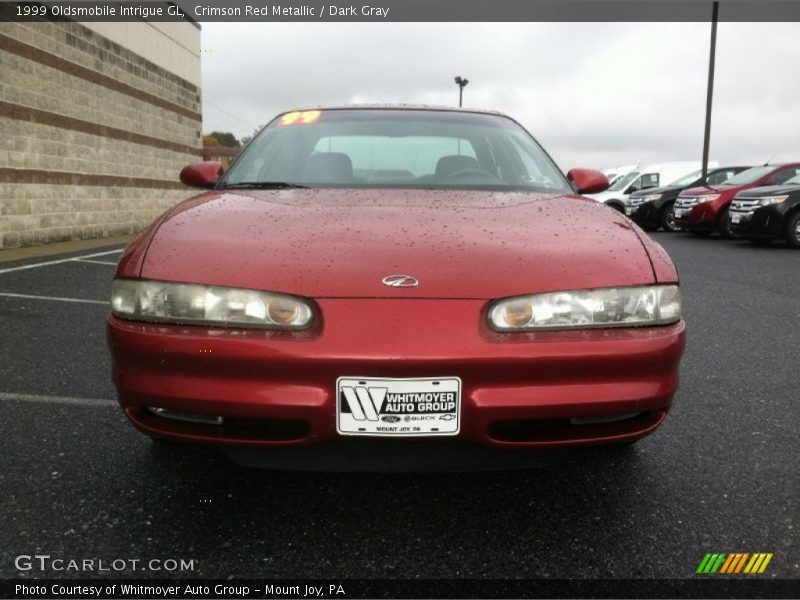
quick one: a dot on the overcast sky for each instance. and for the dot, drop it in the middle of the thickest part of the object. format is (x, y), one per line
(594, 94)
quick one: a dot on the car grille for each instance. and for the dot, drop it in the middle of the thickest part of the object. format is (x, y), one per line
(686, 202)
(745, 205)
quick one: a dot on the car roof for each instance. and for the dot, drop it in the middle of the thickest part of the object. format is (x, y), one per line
(397, 106)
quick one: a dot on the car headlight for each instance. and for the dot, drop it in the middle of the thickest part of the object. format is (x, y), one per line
(650, 198)
(143, 300)
(772, 200)
(708, 198)
(606, 307)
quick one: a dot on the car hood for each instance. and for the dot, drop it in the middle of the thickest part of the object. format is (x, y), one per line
(705, 190)
(771, 190)
(342, 243)
(658, 190)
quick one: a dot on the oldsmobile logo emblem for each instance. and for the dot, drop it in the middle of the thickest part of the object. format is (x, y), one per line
(400, 281)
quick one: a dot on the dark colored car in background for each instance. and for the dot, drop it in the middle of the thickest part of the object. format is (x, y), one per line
(652, 208)
(764, 214)
(702, 210)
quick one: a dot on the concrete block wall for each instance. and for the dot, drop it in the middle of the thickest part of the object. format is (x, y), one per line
(93, 134)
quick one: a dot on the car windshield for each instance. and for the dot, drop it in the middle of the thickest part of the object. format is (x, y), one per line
(749, 176)
(688, 179)
(395, 148)
(623, 181)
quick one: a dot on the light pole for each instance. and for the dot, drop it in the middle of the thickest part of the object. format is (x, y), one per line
(710, 87)
(461, 82)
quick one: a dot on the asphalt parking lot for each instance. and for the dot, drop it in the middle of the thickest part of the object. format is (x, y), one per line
(721, 475)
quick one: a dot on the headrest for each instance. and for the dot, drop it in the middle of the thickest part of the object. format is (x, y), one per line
(328, 167)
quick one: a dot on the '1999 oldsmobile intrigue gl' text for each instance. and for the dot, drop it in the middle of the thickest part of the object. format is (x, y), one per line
(405, 277)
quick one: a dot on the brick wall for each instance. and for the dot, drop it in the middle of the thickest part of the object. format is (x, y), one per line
(92, 135)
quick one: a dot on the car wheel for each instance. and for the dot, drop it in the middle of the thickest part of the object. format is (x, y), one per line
(760, 241)
(666, 218)
(792, 232)
(724, 226)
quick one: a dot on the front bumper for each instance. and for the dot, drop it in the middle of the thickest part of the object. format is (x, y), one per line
(645, 214)
(762, 223)
(700, 217)
(278, 389)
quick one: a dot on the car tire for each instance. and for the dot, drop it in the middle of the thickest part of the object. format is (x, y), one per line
(724, 226)
(666, 218)
(791, 232)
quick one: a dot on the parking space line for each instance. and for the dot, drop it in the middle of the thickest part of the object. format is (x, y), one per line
(73, 401)
(59, 261)
(95, 262)
(57, 299)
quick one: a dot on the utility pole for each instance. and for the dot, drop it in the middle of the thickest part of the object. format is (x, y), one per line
(710, 88)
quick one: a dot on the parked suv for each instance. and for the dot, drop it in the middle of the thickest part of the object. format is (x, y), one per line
(701, 210)
(766, 213)
(647, 177)
(652, 208)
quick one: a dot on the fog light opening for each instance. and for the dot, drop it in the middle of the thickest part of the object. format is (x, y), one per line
(175, 415)
(604, 419)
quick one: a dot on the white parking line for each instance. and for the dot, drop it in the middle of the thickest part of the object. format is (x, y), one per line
(57, 299)
(59, 261)
(8, 396)
(95, 262)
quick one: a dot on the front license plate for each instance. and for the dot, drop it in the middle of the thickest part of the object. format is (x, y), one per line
(735, 218)
(398, 407)
(678, 213)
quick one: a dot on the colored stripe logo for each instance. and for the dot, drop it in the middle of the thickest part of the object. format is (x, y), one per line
(734, 563)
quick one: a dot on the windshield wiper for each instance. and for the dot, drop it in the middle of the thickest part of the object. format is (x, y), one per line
(259, 185)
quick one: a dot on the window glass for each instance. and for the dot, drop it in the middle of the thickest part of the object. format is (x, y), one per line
(397, 147)
(688, 179)
(649, 180)
(720, 176)
(395, 158)
(785, 175)
(749, 175)
(624, 181)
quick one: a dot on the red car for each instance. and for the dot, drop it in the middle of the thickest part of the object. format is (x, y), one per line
(368, 279)
(702, 210)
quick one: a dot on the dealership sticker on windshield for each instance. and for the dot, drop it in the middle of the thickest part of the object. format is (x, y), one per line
(398, 407)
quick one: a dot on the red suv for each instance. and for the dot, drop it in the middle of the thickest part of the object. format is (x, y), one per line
(701, 210)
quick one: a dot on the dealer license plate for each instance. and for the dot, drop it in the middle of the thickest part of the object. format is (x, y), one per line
(735, 218)
(398, 407)
(678, 213)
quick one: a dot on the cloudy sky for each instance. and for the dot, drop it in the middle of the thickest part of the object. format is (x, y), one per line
(594, 94)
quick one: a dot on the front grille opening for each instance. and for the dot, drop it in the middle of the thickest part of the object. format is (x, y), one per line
(227, 427)
(552, 430)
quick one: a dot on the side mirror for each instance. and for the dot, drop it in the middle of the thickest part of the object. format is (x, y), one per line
(632, 189)
(201, 174)
(587, 181)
